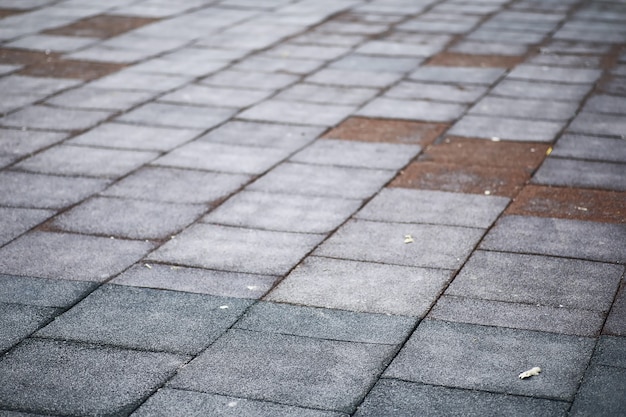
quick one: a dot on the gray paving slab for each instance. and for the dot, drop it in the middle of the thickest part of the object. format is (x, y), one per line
(555, 74)
(250, 79)
(340, 182)
(18, 321)
(328, 324)
(481, 76)
(582, 174)
(598, 124)
(356, 286)
(590, 147)
(610, 351)
(68, 256)
(196, 280)
(283, 212)
(392, 398)
(460, 93)
(400, 205)
(490, 48)
(147, 319)
(279, 111)
(429, 248)
(616, 323)
(5, 413)
(491, 358)
(127, 136)
(605, 104)
(237, 249)
(540, 90)
(378, 64)
(412, 110)
(166, 66)
(54, 118)
(42, 292)
(538, 280)
(177, 185)
(486, 34)
(108, 54)
(41, 86)
(354, 78)
(525, 109)
(46, 376)
(292, 370)
(131, 80)
(15, 221)
(506, 128)
(100, 99)
(602, 393)
(390, 48)
(202, 95)
(327, 94)
(53, 43)
(559, 237)
(128, 218)
(178, 403)
(325, 53)
(177, 115)
(566, 60)
(45, 191)
(86, 161)
(458, 27)
(15, 144)
(274, 64)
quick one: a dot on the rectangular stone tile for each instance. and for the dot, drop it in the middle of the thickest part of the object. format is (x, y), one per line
(68, 256)
(566, 60)
(393, 397)
(41, 86)
(385, 47)
(355, 286)
(283, 212)
(328, 181)
(506, 128)
(195, 280)
(555, 74)
(441, 74)
(430, 246)
(323, 323)
(130, 80)
(147, 319)
(598, 124)
(327, 94)
(100, 99)
(614, 85)
(525, 109)
(602, 393)
(514, 37)
(610, 351)
(48, 376)
(274, 64)
(354, 78)
(606, 104)
(202, 95)
(570, 238)
(376, 64)
(541, 90)
(616, 322)
(326, 53)
(42, 292)
(18, 321)
(53, 118)
(179, 403)
(322, 374)
(53, 43)
(461, 93)
(386, 131)
(490, 358)
(400, 205)
(15, 144)
(490, 48)
(15, 221)
(590, 147)
(460, 60)
(236, 249)
(412, 110)
(45, 191)
(248, 79)
(583, 174)
(437, 26)
(175, 115)
(297, 113)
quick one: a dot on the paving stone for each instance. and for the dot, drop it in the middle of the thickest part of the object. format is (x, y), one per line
(271, 64)
(102, 26)
(215, 96)
(461, 93)
(288, 137)
(129, 80)
(448, 26)
(598, 124)
(45, 191)
(386, 130)
(615, 323)
(195, 280)
(19, 321)
(42, 292)
(490, 358)
(326, 53)
(541, 90)
(147, 319)
(563, 60)
(385, 47)
(379, 64)
(429, 248)
(179, 403)
(525, 109)
(332, 39)
(42, 86)
(15, 221)
(506, 128)
(248, 79)
(455, 75)
(401, 205)
(555, 74)
(490, 48)
(297, 113)
(602, 393)
(339, 182)
(133, 219)
(353, 78)
(125, 136)
(221, 157)
(100, 99)
(610, 351)
(326, 94)
(283, 212)
(357, 154)
(605, 104)
(511, 37)
(614, 85)
(177, 115)
(589, 147)
(91, 162)
(518, 316)
(52, 118)
(54, 377)
(401, 398)
(67, 256)
(328, 324)
(109, 54)
(52, 43)
(236, 249)
(584, 174)
(282, 368)
(412, 110)
(355, 286)
(461, 60)
(166, 66)
(571, 238)
(352, 28)
(7, 69)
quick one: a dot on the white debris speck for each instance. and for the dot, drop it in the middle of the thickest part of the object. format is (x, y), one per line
(252, 287)
(232, 404)
(148, 266)
(531, 372)
(408, 239)
(495, 139)
(223, 307)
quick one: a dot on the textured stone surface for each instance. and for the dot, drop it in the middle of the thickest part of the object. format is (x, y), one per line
(589, 147)
(484, 76)
(19, 321)
(610, 351)
(525, 109)
(616, 323)
(53, 118)
(15, 221)
(540, 90)
(297, 113)
(173, 115)
(582, 174)
(42, 292)
(506, 128)
(412, 110)
(602, 393)
(386, 130)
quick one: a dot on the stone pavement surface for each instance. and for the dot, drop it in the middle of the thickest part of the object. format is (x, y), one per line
(319, 208)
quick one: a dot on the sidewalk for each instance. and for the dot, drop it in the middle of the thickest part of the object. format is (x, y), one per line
(312, 208)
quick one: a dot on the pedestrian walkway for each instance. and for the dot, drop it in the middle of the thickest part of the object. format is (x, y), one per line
(313, 208)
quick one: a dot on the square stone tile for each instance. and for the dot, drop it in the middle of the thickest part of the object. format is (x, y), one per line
(457, 75)
(506, 128)
(18, 321)
(42, 292)
(45, 191)
(362, 240)
(602, 393)
(559, 237)
(283, 212)
(616, 323)
(177, 185)
(460, 93)
(68, 256)
(177, 115)
(491, 358)
(327, 94)
(412, 110)
(54, 118)
(147, 319)
(326, 181)
(401, 398)
(47, 376)
(401, 205)
(525, 109)
(220, 157)
(298, 113)
(249, 79)
(555, 74)
(100, 99)
(541, 90)
(582, 174)
(315, 373)
(354, 78)
(15, 221)
(202, 95)
(598, 124)
(590, 147)
(355, 286)
(236, 249)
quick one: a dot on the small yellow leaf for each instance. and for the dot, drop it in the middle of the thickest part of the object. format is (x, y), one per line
(549, 151)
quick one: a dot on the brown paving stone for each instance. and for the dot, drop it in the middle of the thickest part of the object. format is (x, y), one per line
(8, 12)
(385, 130)
(570, 203)
(102, 26)
(22, 57)
(453, 59)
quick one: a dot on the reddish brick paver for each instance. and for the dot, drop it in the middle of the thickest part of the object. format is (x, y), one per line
(102, 26)
(386, 130)
(454, 59)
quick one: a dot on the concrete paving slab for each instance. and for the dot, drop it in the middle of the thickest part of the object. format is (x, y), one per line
(15, 144)
(100, 99)
(42, 292)
(326, 94)
(461, 93)
(387, 131)
(54, 118)
(525, 109)
(412, 110)
(582, 174)
(250, 79)
(454, 75)
(77, 379)
(598, 124)
(273, 64)
(610, 351)
(506, 128)
(590, 147)
(354, 78)
(202, 95)
(602, 393)
(378, 64)
(15, 221)
(540, 90)
(19, 321)
(615, 323)
(279, 111)
(281, 368)
(554, 74)
(176, 116)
